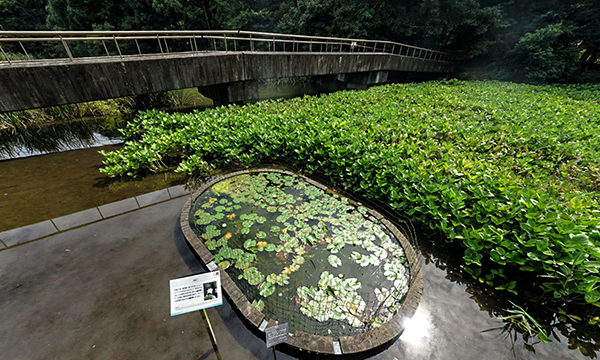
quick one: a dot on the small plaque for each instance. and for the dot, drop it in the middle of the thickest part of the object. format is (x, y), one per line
(277, 334)
(195, 293)
(337, 348)
(263, 325)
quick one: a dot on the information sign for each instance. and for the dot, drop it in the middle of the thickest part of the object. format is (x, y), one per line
(277, 334)
(195, 293)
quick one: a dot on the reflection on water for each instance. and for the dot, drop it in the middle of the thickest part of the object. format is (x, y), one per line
(417, 330)
(577, 333)
(37, 139)
(39, 188)
(291, 87)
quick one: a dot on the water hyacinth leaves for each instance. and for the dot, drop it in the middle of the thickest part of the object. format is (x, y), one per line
(485, 163)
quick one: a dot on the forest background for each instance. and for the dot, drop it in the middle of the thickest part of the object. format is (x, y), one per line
(534, 41)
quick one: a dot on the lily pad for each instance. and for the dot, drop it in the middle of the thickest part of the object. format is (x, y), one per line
(296, 234)
(253, 276)
(210, 244)
(259, 305)
(334, 261)
(270, 247)
(250, 244)
(225, 264)
(266, 289)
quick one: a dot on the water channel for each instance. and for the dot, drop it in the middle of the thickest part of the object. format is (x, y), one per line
(85, 263)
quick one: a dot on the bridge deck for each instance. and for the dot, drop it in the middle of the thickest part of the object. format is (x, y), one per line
(42, 83)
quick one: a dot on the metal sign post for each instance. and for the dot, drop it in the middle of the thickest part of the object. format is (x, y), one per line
(197, 292)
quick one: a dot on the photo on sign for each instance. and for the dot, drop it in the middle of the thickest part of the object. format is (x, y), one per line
(210, 291)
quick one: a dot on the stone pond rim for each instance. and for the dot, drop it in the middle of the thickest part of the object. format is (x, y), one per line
(369, 340)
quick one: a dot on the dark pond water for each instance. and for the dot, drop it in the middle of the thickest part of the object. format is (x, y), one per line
(61, 136)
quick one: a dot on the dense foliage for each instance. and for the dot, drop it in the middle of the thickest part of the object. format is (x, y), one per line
(537, 41)
(511, 172)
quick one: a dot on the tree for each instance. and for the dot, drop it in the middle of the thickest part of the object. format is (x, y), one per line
(551, 41)
(22, 14)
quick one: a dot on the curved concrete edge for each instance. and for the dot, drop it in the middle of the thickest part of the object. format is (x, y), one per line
(372, 339)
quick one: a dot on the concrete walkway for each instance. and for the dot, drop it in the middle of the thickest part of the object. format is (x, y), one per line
(101, 291)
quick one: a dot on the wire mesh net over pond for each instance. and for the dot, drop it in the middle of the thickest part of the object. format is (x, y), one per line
(303, 255)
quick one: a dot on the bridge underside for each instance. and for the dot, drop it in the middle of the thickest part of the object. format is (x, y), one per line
(49, 83)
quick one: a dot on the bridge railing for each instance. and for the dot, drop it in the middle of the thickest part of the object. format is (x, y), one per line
(17, 47)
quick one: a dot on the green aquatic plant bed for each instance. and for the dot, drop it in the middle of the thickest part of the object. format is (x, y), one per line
(511, 172)
(292, 247)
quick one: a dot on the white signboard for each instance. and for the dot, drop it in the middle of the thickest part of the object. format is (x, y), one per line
(195, 292)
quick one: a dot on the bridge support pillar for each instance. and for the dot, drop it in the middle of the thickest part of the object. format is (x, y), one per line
(363, 80)
(231, 93)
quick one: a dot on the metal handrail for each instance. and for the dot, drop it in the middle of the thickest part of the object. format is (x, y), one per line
(276, 42)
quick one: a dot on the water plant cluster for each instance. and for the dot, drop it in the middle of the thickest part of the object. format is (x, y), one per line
(510, 172)
(328, 258)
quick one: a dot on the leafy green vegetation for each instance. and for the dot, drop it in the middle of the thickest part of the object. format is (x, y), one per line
(510, 172)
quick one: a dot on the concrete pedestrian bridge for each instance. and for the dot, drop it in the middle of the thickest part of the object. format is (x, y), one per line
(224, 65)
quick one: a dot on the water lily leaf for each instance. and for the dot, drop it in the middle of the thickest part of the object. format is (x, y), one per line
(280, 279)
(225, 264)
(261, 235)
(356, 255)
(259, 305)
(266, 289)
(250, 244)
(298, 260)
(334, 261)
(222, 242)
(270, 247)
(210, 244)
(253, 276)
